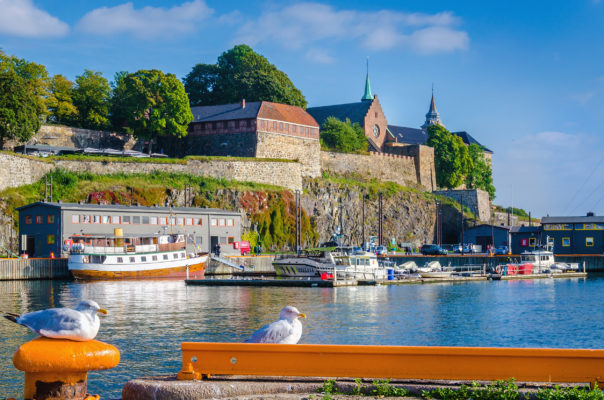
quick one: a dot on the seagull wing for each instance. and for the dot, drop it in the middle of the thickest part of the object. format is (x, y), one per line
(274, 332)
(54, 322)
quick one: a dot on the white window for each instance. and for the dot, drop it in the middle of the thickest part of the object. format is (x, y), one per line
(75, 219)
(180, 221)
(115, 219)
(589, 241)
(214, 222)
(96, 219)
(222, 222)
(197, 221)
(163, 221)
(153, 220)
(105, 219)
(189, 221)
(230, 222)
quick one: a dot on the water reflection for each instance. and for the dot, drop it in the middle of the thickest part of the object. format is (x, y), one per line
(148, 320)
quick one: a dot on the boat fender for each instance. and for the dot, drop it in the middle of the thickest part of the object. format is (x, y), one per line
(498, 269)
(85, 260)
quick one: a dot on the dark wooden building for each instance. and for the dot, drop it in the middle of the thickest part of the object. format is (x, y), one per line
(574, 235)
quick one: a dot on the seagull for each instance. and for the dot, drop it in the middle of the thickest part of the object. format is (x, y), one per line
(81, 324)
(287, 330)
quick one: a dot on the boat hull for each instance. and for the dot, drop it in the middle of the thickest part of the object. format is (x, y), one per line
(195, 266)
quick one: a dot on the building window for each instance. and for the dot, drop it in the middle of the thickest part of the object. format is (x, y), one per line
(50, 239)
(39, 219)
(136, 220)
(280, 126)
(230, 240)
(120, 260)
(199, 240)
(28, 219)
(287, 127)
(144, 259)
(565, 242)
(172, 221)
(85, 219)
(589, 241)
(214, 222)
(230, 222)
(180, 221)
(154, 258)
(223, 239)
(550, 241)
(222, 222)
(532, 242)
(589, 227)
(105, 219)
(294, 128)
(115, 219)
(96, 219)
(50, 219)
(182, 255)
(163, 221)
(197, 221)
(145, 220)
(126, 219)
(165, 256)
(274, 124)
(262, 123)
(175, 255)
(132, 259)
(376, 114)
(189, 221)
(153, 220)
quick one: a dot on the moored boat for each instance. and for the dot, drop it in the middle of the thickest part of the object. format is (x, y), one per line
(144, 256)
(536, 262)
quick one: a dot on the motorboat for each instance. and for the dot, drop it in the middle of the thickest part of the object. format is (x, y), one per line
(536, 262)
(432, 270)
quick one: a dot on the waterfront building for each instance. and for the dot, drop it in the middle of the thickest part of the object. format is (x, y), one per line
(525, 238)
(487, 235)
(574, 235)
(45, 227)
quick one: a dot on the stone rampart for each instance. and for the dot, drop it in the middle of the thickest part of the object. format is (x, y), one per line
(305, 150)
(382, 166)
(476, 200)
(16, 171)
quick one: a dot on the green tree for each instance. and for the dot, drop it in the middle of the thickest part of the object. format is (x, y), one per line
(240, 73)
(91, 97)
(60, 103)
(480, 175)
(23, 88)
(451, 158)
(151, 104)
(343, 136)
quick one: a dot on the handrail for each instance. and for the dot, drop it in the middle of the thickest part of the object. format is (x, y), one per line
(441, 363)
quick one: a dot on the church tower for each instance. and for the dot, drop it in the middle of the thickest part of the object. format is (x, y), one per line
(432, 117)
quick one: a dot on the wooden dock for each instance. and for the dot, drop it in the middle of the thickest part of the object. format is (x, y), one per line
(276, 282)
(33, 268)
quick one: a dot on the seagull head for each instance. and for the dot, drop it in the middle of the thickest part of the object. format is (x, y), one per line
(290, 313)
(90, 305)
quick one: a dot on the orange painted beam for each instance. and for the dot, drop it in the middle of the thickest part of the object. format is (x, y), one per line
(446, 363)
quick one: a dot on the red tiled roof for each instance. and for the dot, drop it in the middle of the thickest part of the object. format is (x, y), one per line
(286, 113)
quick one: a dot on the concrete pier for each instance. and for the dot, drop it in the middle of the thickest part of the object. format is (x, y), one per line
(33, 268)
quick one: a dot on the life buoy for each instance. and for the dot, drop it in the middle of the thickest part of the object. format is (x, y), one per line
(498, 269)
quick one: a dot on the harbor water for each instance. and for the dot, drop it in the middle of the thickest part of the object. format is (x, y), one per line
(148, 320)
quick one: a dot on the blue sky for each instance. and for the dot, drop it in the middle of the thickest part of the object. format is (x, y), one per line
(526, 79)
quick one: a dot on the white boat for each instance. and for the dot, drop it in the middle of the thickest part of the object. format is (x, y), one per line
(433, 270)
(537, 262)
(337, 263)
(124, 257)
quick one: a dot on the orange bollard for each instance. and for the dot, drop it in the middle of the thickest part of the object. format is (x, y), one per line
(56, 369)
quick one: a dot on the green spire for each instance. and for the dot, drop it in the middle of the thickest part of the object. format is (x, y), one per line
(367, 96)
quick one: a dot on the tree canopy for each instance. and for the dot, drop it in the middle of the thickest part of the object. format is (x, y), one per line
(150, 104)
(480, 175)
(91, 98)
(60, 102)
(343, 136)
(451, 158)
(240, 73)
(23, 87)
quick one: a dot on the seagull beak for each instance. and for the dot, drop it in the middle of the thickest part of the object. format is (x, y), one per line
(102, 311)
(302, 315)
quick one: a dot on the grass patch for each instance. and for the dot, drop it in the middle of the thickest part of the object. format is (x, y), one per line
(244, 159)
(35, 158)
(371, 187)
(110, 159)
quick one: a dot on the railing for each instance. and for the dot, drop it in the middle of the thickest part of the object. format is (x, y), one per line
(442, 363)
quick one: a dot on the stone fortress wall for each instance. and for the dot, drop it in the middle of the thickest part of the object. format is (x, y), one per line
(476, 200)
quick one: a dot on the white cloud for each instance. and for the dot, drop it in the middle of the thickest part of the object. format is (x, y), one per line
(582, 98)
(319, 56)
(23, 18)
(146, 22)
(300, 25)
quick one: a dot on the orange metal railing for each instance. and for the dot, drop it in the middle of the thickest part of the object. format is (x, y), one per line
(447, 363)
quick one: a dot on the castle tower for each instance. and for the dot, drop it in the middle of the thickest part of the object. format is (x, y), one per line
(432, 117)
(367, 96)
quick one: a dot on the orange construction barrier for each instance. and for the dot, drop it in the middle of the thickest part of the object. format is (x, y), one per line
(446, 363)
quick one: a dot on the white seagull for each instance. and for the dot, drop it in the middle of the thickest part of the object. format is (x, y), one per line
(81, 324)
(287, 330)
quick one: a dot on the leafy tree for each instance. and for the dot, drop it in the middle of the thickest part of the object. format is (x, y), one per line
(60, 103)
(240, 73)
(23, 87)
(91, 97)
(151, 104)
(343, 136)
(480, 175)
(451, 157)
